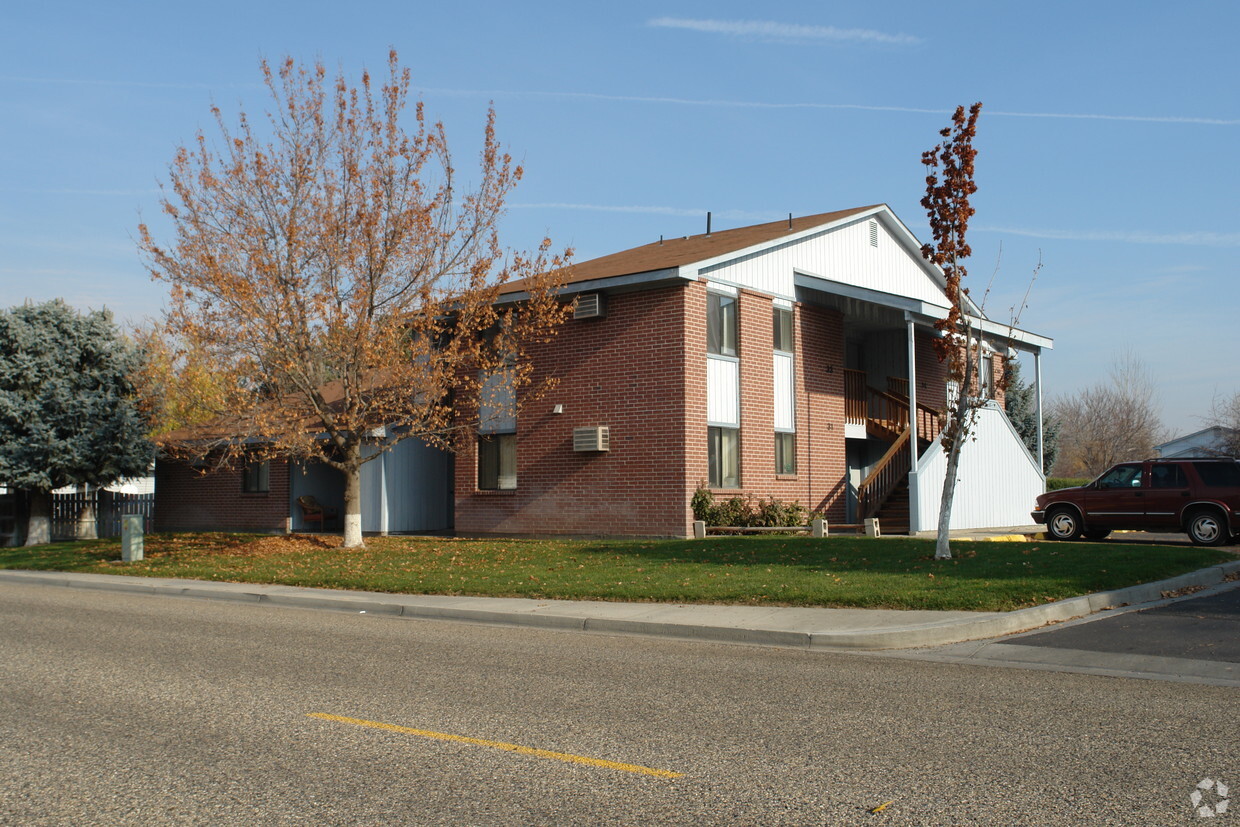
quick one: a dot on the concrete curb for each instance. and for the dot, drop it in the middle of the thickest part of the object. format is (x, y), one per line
(769, 626)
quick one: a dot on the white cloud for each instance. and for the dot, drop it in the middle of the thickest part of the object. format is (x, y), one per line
(743, 104)
(770, 30)
(1196, 239)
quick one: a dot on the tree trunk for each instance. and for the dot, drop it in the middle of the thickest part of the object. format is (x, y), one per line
(942, 547)
(353, 498)
(86, 524)
(39, 519)
(961, 427)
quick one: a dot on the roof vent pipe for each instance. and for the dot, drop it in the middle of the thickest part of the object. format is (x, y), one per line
(789, 221)
(708, 225)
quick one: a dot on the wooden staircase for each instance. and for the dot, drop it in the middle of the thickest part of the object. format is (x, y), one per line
(884, 492)
(893, 513)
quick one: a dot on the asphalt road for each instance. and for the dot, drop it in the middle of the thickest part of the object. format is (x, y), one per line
(123, 709)
(1200, 628)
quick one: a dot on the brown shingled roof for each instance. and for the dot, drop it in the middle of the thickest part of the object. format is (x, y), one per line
(676, 252)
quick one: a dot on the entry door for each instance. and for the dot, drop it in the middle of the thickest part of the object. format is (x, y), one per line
(1167, 493)
(1118, 498)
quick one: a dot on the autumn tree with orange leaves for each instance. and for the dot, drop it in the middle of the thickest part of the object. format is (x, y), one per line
(339, 281)
(949, 183)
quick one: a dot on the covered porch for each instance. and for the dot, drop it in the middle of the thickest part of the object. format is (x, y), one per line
(896, 395)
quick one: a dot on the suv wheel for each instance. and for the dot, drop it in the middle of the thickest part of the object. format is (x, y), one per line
(1206, 528)
(1063, 524)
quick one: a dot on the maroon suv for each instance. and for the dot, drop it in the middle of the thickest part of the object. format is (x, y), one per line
(1200, 497)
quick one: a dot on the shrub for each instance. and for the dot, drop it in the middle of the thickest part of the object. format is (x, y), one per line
(744, 512)
(1055, 483)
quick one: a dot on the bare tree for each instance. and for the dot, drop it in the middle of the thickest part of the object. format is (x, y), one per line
(947, 205)
(1109, 422)
(1225, 415)
(336, 283)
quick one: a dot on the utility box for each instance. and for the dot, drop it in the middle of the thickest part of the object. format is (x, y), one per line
(131, 538)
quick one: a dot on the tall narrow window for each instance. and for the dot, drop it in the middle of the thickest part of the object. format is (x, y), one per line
(782, 322)
(782, 392)
(721, 324)
(256, 478)
(785, 453)
(497, 462)
(723, 458)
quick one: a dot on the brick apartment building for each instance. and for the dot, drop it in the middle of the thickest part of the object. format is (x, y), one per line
(777, 360)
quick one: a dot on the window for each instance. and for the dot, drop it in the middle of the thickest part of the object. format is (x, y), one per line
(785, 453)
(255, 478)
(720, 324)
(497, 462)
(1168, 476)
(723, 457)
(1218, 474)
(1121, 476)
(783, 329)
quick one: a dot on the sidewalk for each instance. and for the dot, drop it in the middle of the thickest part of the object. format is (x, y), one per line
(856, 629)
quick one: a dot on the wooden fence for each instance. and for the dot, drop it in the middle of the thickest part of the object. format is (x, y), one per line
(67, 510)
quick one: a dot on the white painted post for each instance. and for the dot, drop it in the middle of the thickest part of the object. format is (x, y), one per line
(1037, 396)
(131, 538)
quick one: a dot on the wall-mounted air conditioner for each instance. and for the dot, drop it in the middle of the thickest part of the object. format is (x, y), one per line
(590, 306)
(596, 438)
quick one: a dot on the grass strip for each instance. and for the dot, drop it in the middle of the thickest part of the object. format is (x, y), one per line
(890, 573)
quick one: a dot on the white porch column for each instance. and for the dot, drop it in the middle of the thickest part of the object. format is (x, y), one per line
(1037, 396)
(914, 521)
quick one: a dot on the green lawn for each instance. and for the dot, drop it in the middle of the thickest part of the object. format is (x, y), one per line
(794, 571)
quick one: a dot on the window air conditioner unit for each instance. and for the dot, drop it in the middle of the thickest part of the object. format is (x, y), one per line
(597, 438)
(589, 306)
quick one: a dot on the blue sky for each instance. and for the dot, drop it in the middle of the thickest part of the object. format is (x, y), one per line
(1107, 143)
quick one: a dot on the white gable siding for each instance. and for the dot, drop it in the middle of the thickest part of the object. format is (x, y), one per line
(844, 255)
(997, 481)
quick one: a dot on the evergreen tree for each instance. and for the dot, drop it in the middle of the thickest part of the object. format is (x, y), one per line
(68, 414)
(1022, 410)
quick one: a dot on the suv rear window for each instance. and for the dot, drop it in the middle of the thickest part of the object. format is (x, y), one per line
(1218, 474)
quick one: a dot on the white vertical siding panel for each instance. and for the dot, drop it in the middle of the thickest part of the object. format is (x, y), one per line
(844, 255)
(784, 418)
(372, 491)
(722, 399)
(997, 481)
(418, 487)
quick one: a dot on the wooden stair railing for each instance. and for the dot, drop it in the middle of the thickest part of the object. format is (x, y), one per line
(887, 474)
(886, 411)
(854, 397)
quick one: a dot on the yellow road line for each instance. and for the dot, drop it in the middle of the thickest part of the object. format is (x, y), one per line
(461, 739)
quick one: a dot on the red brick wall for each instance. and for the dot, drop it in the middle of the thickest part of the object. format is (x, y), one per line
(186, 500)
(931, 373)
(818, 483)
(634, 370)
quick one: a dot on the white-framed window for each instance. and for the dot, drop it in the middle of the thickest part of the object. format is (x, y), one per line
(721, 325)
(497, 462)
(782, 392)
(785, 453)
(723, 457)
